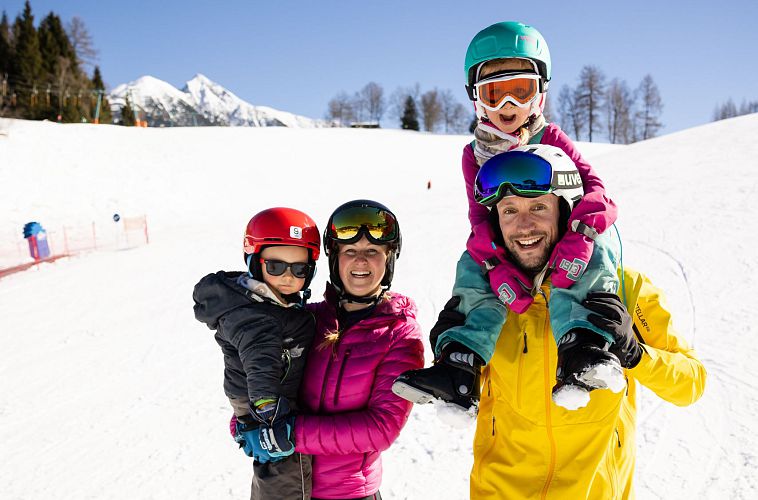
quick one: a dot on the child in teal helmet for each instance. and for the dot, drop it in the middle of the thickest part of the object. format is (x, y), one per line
(508, 70)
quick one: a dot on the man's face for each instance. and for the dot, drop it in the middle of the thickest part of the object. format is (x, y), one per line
(530, 229)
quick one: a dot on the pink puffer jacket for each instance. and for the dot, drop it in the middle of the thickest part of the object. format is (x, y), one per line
(350, 413)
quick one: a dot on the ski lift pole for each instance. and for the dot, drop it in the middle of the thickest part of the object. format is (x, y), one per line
(97, 107)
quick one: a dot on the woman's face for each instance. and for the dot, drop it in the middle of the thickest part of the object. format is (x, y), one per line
(361, 267)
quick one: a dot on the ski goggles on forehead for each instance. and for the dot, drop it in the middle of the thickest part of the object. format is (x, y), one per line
(378, 225)
(518, 89)
(278, 267)
(523, 174)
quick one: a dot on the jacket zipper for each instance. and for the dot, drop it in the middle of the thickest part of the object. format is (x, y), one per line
(326, 376)
(611, 464)
(339, 376)
(548, 403)
(519, 375)
(287, 359)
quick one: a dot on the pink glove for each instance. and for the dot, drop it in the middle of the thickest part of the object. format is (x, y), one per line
(233, 426)
(570, 258)
(511, 285)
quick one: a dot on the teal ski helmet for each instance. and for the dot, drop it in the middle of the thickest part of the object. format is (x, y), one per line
(509, 39)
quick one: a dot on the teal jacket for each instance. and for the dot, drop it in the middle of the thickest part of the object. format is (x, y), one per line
(485, 314)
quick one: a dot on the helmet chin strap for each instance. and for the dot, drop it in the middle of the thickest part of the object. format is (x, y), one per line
(345, 297)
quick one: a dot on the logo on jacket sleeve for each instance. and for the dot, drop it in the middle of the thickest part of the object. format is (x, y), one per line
(575, 269)
(506, 294)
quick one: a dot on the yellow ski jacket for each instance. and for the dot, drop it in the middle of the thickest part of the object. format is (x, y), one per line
(527, 447)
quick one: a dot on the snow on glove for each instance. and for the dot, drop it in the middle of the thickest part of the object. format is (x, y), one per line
(570, 258)
(511, 286)
(275, 431)
(447, 319)
(611, 316)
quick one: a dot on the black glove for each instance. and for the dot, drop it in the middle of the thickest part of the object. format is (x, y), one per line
(448, 318)
(275, 430)
(611, 316)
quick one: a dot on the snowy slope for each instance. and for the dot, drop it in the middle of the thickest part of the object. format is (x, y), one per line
(110, 389)
(201, 102)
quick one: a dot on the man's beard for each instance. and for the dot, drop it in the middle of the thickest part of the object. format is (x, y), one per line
(535, 263)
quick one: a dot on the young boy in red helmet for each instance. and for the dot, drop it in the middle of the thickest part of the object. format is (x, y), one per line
(265, 334)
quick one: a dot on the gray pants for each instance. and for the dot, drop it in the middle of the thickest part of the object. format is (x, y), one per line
(288, 479)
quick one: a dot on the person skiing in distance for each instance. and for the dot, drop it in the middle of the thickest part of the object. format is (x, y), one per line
(265, 334)
(508, 69)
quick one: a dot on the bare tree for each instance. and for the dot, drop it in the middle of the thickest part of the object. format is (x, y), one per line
(81, 41)
(371, 100)
(724, 111)
(650, 109)
(431, 109)
(747, 108)
(618, 106)
(569, 118)
(455, 116)
(590, 95)
(547, 110)
(341, 110)
(729, 109)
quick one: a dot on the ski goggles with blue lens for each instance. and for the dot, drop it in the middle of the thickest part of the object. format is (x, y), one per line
(378, 225)
(520, 172)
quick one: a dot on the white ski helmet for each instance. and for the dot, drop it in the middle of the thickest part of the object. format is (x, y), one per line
(532, 170)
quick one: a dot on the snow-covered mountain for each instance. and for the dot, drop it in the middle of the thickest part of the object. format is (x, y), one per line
(200, 102)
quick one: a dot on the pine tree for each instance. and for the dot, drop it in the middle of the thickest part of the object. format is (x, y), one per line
(6, 51)
(105, 107)
(54, 44)
(26, 66)
(6, 54)
(127, 114)
(409, 120)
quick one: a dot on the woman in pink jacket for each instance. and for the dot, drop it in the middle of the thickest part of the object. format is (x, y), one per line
(365, 337)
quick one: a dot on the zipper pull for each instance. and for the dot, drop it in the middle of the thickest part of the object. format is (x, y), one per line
(618, 438)
(526, 350)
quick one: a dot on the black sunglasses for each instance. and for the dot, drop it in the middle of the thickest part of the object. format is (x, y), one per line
(278, 267)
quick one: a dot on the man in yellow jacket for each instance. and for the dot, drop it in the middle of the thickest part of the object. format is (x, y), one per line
(525, 445)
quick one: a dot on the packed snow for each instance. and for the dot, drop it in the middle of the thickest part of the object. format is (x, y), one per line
(110, 389)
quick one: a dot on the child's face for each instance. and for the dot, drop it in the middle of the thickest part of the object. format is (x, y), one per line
(286, 283)
(510, 117)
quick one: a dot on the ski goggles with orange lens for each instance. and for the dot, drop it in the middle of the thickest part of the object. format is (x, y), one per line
(519, 89)
(378, 225)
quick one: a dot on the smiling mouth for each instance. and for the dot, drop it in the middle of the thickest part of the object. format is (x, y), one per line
(360, 274)
(529, 243)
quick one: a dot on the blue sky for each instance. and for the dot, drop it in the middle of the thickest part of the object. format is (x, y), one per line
(295, 56)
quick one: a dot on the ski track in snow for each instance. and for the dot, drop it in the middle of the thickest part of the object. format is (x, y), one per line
(109, 385)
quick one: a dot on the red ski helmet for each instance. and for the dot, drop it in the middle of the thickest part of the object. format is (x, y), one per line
(280, 226)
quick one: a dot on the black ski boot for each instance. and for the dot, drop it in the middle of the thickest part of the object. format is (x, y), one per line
(584, 364)
(453, 378)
